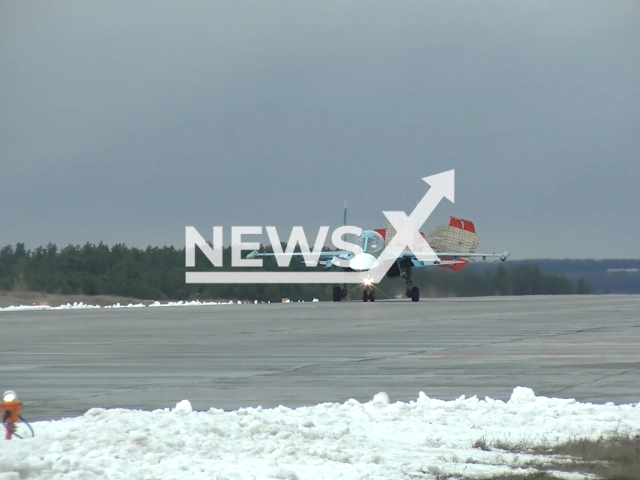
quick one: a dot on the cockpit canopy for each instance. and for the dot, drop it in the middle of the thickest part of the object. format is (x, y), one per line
(370, 241)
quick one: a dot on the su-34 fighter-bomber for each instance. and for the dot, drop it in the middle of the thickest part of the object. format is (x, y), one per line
(454, 246)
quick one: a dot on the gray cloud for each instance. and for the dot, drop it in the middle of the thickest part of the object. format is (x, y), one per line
(126, 121)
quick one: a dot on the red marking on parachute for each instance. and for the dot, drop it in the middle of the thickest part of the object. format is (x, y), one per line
(462, 224)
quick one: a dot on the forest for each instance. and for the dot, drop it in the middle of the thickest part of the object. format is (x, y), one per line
(158, 273)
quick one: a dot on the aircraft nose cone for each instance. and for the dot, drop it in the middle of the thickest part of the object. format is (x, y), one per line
(362, 261)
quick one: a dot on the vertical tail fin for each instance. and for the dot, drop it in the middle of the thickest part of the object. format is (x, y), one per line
(344, 218)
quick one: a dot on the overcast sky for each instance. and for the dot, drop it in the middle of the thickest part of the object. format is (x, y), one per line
(125, 121)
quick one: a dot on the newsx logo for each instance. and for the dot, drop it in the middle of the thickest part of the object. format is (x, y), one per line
(283, 257)
(407, 237)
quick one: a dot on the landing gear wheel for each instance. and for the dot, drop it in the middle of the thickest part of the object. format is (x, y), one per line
(369, 295)
(337, 294)
(415, 294)
(412, 292)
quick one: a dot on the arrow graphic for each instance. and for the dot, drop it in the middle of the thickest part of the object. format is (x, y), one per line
(442, 186)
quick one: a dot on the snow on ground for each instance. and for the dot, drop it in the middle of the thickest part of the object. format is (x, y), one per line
(68, 306)
(374, 440)
(80, 305)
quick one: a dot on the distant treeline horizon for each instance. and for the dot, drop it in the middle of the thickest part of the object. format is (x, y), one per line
(158, 273)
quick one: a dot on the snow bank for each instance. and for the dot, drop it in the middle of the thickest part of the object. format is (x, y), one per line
(374, 440)
(68, 306)
(80, 305)
(194, 303)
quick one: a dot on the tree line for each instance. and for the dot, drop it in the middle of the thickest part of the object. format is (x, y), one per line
(158, 273)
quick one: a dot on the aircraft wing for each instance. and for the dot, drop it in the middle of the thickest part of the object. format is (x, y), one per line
(452, 258)
(324, 258)
(325, 254)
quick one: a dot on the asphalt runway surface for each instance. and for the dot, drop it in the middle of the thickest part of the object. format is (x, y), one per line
(64, 362)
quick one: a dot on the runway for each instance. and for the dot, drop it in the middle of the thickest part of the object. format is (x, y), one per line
(63, 363)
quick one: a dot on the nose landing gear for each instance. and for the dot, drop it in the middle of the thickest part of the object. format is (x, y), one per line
(368, 295)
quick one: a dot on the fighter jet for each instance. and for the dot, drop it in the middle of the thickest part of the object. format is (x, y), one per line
(454, 244)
